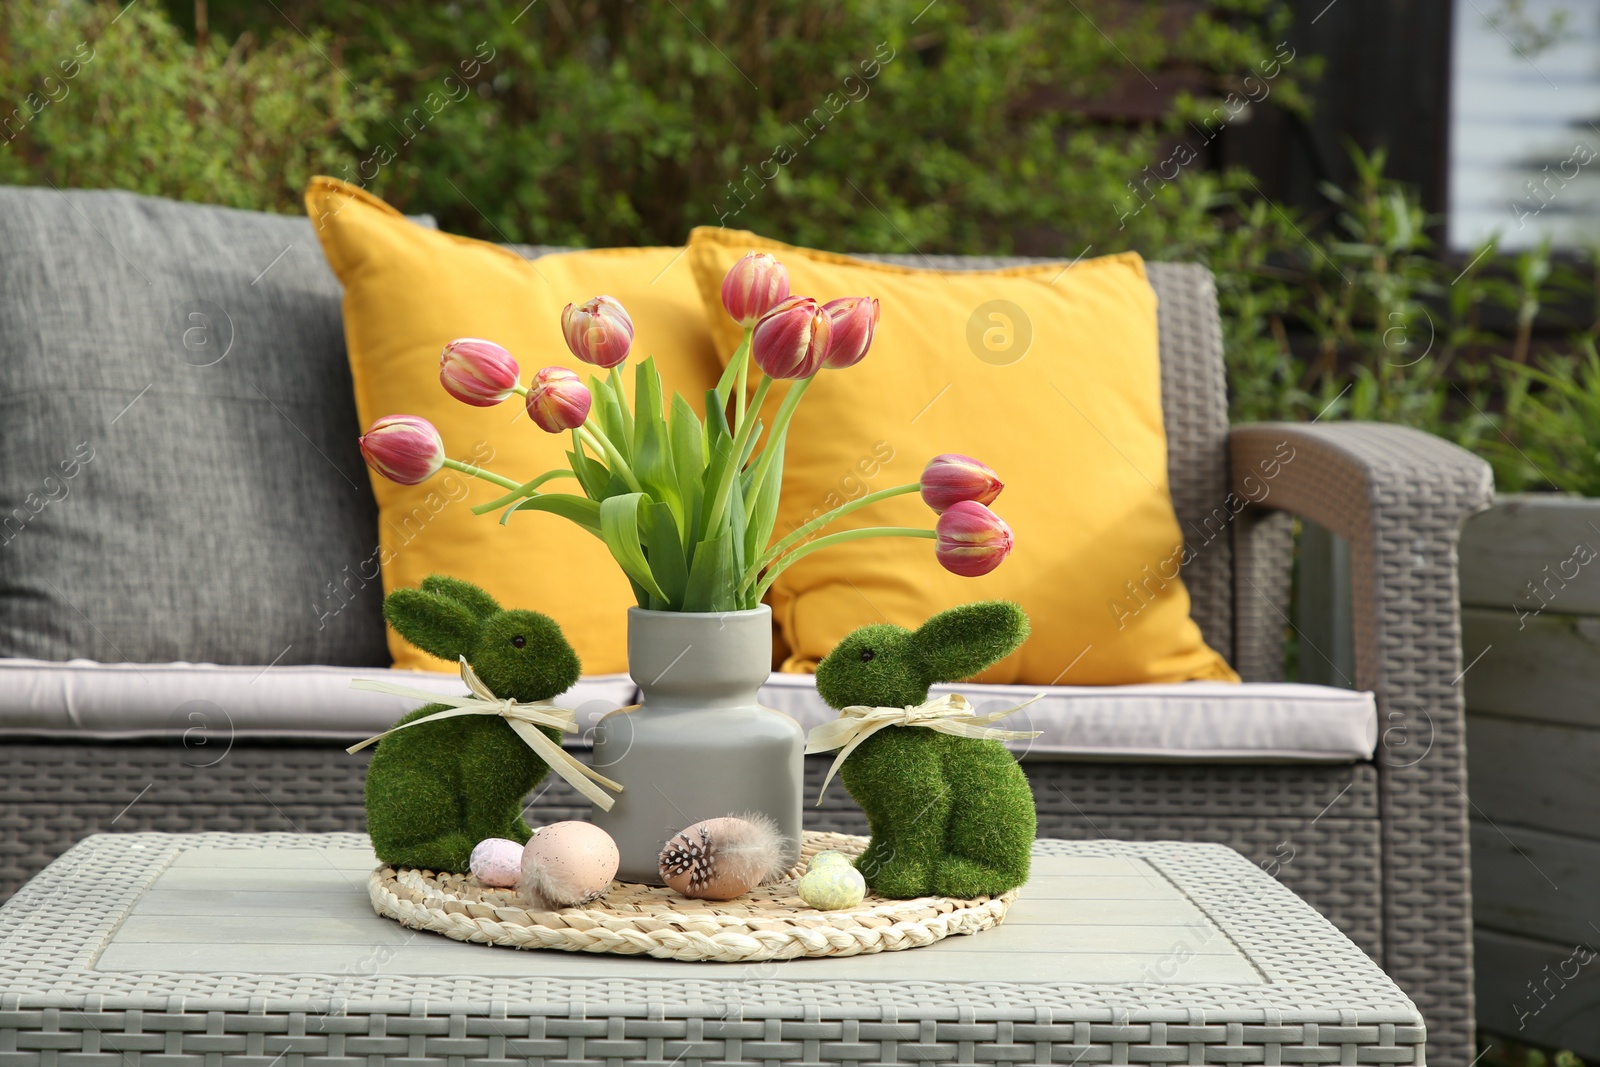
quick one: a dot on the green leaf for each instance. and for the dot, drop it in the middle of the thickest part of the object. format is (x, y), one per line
(619, 528)
(581, 510)
(689, 462)
(764, 507)
(665, 553)
(652, 447)
(594, 476)
(729, 373)
(609, 415)
(710, 585)
(721, 456)
(614, 380)
(750, 445)
(716, 419)
(736, 531)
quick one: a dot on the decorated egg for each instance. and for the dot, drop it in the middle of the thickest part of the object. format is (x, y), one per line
(720, 859)
(828, 858)
(832, 886)
(566, 864)
(496, 862)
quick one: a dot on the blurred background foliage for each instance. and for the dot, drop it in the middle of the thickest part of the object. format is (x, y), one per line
(884, 125)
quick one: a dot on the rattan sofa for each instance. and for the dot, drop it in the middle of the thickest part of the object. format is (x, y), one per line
(1380, 846)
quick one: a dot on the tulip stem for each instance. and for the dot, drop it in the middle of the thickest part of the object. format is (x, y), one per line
(479, 472)
(741, 383)
(719, 503)
(525, 489)
(520, 389)
(839, 538)
(822, 520)
(596, 439)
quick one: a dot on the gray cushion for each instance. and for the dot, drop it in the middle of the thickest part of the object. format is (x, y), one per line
(181, 479)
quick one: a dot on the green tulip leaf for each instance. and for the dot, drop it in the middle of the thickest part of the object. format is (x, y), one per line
(664, 551)
(592, 475)
(763, 507)
(711, 576)
(619, 528)
(608, 414)
(578, 509)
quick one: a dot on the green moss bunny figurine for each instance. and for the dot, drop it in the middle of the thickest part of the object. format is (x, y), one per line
(436, 790)
(950, 816)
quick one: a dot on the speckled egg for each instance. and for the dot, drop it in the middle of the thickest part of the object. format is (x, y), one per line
(832, 886)
(826, 859)
(719, 859)
(566, 864)
(497, 862)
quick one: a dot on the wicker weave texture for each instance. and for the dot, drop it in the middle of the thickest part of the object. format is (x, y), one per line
(1399, 497)
(1313, 827)
(1308, 974)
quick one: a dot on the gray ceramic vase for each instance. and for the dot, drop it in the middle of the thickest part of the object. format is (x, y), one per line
(699, 746)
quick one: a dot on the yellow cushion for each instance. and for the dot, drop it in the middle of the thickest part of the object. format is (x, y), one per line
(408, 291)
(1072, 425)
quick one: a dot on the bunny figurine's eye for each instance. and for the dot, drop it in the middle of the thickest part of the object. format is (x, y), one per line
(518, 641)
(866, 655)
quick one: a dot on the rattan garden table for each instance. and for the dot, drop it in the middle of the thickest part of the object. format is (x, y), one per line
(260, 950)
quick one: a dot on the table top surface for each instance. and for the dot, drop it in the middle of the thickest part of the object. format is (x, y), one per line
(281, 922)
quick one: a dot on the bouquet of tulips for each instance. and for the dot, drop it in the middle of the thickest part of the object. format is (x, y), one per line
(686, 505)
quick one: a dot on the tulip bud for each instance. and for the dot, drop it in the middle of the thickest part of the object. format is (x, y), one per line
(557, 400)
(972, 540)
(951, 478)
(475, 372)
(599, 332)
(754, 286)
(403, 448)
(854, 318)
(791, 340)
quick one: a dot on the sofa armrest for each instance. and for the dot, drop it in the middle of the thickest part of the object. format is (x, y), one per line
(1399, 497)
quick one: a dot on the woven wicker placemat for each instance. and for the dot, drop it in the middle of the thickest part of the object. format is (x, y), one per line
(768, 923)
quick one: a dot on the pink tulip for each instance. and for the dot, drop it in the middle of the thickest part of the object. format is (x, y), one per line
(475, 372)
(972, 540)
(754, 286)
(791, 340)
(403, 448)
(557, 400)
(854, 319)
(952, 478)
(599, 332)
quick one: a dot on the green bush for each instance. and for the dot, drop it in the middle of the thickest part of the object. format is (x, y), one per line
(885, 125)
(105, 96)
(868, 124)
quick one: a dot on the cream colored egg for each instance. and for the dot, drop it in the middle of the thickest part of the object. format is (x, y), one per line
(824, 859)
(833, 886)
(496, 862)
(566, 864)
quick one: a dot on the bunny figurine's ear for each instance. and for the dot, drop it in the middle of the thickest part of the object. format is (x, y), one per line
(438, 625)
(466, 594)
(958, 643)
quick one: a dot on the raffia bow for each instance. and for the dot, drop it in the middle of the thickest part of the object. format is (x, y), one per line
(950, 714)
(522, 717)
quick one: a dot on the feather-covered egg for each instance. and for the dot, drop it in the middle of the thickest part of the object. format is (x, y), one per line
(720, 859)
(567, 864)
(832, 886)
(824, 859)
(496, 862)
